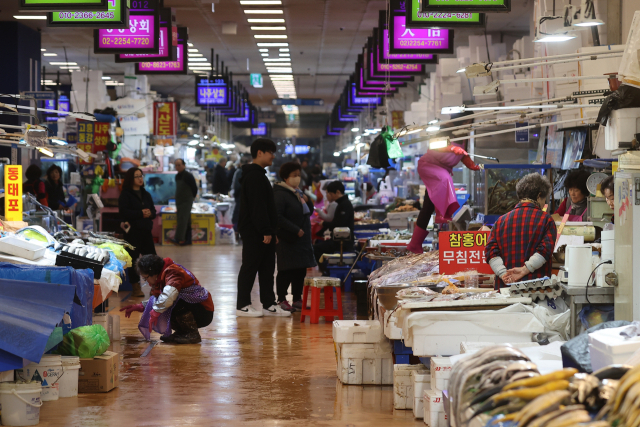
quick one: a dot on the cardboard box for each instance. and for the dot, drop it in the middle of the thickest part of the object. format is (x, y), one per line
(203, 228)
(100, 374)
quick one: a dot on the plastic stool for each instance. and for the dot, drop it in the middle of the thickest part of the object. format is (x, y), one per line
(316, 283)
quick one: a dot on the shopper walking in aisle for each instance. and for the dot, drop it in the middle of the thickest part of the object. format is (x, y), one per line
(53, 186)
(236, 187)
(220, 185)
(137, 213)
(231, 170)
(177, 302)
(294, 248)
(522, 241)
(35, 185)
(343, 216)
(257, 225)
(186, 191)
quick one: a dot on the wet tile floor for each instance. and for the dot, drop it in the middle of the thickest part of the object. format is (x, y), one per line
(253, 372)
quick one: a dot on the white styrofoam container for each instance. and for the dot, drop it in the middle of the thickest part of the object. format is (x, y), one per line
(421, 381)
(391, 329)
(622, 126)
(400, 219)
(433, 406)
(7, 376)
(472, 347)
(365, 363)
(357, 332)
(403, 386)
(21, 248)
(608, 347)
(440, 368)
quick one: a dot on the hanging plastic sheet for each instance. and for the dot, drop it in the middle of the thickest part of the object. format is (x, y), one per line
(82, 309)
(29, 312)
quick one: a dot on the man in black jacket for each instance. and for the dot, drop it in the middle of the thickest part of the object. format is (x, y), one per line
(343, 217)
(257, 226)
(220, 182)
(186, 191)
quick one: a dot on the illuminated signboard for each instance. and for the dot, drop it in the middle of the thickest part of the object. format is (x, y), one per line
(261, 130)
(166, 50)
(466, 5)
(212, 92)
(362, 100)
(381, 42)
(63, 104)
(416, 18)
(178, 66)
(141, 37)
(117, 16)
(245, 118)
(13, 192)
(61, 5)
(397, 72)
(418, 40)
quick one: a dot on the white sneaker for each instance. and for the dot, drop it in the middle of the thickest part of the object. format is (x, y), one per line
(248, 311)
(275, 310)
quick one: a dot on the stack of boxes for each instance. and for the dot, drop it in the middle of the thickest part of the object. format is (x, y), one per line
(434, 415)
(403, 390)
(421, 382)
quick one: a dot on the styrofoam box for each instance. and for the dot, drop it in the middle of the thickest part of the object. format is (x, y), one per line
(433, 406)
(7, 376)
(441, 368)
(364, 364)
(622, 126)
(21, 248)
(391, 329)
(608, 347)
(357, 331)
(402, 385)
(421, 381)
(472, 347)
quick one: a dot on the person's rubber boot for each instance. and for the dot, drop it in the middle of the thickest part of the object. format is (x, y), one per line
(136, 290)
(188, 329)
(417, 239)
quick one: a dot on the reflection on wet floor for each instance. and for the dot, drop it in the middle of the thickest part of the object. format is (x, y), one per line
(264, 371)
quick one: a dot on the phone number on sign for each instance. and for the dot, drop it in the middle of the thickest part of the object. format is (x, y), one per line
(125, 40)
(86, 15)
(421, 43)
(161, 65)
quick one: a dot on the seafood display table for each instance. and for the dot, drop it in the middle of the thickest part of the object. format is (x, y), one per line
(576, 297)
(463, 305)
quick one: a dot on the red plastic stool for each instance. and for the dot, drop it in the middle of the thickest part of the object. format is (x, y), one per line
(317, 283)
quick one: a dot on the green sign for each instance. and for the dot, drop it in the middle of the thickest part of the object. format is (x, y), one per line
(466, 5)
(256, 80)
(116, 17)
(418, 19)
(62, 5)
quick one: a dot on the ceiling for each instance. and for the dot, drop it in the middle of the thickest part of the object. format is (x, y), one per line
(324, 36)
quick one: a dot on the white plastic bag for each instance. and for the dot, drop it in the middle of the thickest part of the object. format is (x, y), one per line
(225, 236)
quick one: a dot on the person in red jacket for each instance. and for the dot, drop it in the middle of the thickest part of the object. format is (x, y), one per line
(576, 204)
(177, 302)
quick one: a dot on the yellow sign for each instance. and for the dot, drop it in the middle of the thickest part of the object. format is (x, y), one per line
(13, 192)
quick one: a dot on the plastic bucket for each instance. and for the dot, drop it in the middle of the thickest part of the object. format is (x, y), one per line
(47, 373)
(69, 379)
(20, 403)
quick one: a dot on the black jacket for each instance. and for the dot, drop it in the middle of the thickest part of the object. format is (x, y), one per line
(297, 253)
(344, 215)
(189, 180)
(131, 206)
(55, 195)
(258, 215)
(220, 184)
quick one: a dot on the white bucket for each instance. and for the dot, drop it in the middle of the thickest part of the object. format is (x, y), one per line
(20, 403)
(47, 372)
(69, 379)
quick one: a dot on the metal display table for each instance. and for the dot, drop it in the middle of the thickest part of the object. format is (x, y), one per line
(575, 298)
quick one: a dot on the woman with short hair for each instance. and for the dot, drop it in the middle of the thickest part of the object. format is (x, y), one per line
(55, 191)
(35, 185)
(576, 203)
(522, 241)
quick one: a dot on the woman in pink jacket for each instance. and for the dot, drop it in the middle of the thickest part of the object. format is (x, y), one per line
(576, 204)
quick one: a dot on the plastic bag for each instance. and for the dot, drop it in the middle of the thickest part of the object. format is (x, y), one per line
(119, 251)
(591, 316)
(85, 342)
(575, 352)
(393, 146)
(225, 236)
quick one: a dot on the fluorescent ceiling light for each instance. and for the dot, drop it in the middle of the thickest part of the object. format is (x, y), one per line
(40, 17)
(551, 38)
(45, 151)
(106, 78)
(277, 60)
(59, 142)
(190, 44)
(193, 142)
(265, 20)
(260, 2)
(263, 50)
(437, 143)
(285, 55)
(49, 54)
(70, 68)
(279, 70)
(193, 50)
(43, 50)
(589, 23)
(63, 63)
(284, 50)
(336, 154)
(273, 44)
(270, 36)
(269, 28)
(262, 11)
(197, 59)
(355, 129)
(265, 54)
(194, 55)
(200, 67)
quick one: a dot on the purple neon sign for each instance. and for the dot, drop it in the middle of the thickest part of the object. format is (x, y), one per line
(163, 52)
(433, 39)
(407, 56)
(165, 66)
(139, 35)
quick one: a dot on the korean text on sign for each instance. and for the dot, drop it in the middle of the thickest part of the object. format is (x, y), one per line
(13, 192)
(463, 250)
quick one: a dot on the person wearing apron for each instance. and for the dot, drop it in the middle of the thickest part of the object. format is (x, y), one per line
(186, 190)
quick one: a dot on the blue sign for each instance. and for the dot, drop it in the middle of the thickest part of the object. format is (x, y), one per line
(245, 118)
(211, 92)
(299, 101)
(302, 149)
(261, 130)
(50, 104)
(288, 149)
(63, 104)
(522, 135)
(39, 95)
(355, 100)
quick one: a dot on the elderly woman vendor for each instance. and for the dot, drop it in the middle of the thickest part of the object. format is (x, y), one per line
(522, 241)
(177, 302)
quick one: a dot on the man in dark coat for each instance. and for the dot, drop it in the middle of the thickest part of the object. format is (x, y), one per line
(186, 191)
(257, 226)
(220, 182)
(343, 217)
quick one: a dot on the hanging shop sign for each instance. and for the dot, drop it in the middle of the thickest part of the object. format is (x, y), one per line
(398, 72)
(267, 116)
(397, 119)
(382, 45)
(212, 92)
(245, 117)
(167, 48)
(312, 102)
(116, 17)
(101, 136)
(128, 110)
(376, 84)
(416, 18)
(466, 5)
(522, 135)
(463, 251)
(85, 140)
(142, 36)
(61, 5)
(178, 66)
(362, 100)
(164, 119)
(261, 130)
(13, 192)
(418, 40)
(63, 104)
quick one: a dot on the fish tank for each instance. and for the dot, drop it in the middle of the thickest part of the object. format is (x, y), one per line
(161, 186)
(496, 193)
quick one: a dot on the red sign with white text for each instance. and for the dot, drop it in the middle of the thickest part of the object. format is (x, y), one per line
(462, 251)
(165, 118)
